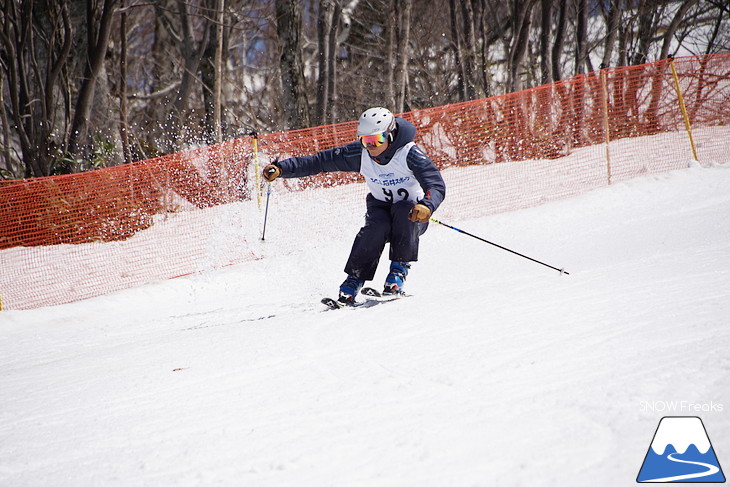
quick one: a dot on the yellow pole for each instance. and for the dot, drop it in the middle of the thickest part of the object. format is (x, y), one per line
(257, 169)
(687, 125)
(606, 126)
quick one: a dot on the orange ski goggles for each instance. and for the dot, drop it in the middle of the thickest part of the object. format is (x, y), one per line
(374, 140)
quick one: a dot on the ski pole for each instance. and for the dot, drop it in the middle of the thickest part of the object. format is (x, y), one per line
(255, 136)
(562, 271)
(266, 211)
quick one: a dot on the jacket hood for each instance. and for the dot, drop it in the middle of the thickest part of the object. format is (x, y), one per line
(406, 132)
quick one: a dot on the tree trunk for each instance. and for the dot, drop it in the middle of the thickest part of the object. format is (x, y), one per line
(672, 28)
(288, 22)
(391, 26)
(123, 113)
(581, 34)
(98, 42)
(647, 11)
(469, 57)
(484, 47)
(456, 45)
(217, 105)
(624, 32)
(612, 27)
(715, 31)
(546, 23)
(324, 27)
(401, 74)
(211, 72)
(331, 61)
(8, 163)
(33, 63)
(192, 53)
(559, 41)
(521, 29)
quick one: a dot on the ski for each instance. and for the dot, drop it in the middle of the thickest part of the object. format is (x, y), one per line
(374, 293)
(334, 304)
(374, 297)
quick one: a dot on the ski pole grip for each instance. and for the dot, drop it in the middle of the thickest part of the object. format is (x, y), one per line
(446, 225)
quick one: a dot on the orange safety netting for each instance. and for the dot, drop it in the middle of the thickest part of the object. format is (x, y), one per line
(76, 236)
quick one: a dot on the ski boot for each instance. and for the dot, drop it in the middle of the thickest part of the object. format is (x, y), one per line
(349, 289)
(396, 278)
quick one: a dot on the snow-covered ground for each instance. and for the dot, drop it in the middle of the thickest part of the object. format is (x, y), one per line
(497, 371)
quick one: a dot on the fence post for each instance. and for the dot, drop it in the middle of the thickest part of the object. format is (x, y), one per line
(683, 108)
(257, 169)
(606, 126)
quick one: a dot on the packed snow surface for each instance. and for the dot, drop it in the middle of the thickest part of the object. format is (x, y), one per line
(496, 371)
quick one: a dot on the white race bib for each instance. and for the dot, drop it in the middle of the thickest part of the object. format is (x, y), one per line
(394, 181)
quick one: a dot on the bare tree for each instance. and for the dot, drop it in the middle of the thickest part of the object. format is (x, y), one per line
(671, 30)
(495, 22)
(581, 35)
(289, 27)
(546, 21)
(457, 45)
(31, 84)
(559, 42)
(711, 45)
(325, 68)
(123, 111)
(469, 57)
(196, 71)
(521, 19)
(97, 41)
(9, 171)
(648, 13)
(217, 87)
(401, 73)
(613, 17)
(342, 22)
(391, 56)
(211, 70)
(463, 27)
(179, 21)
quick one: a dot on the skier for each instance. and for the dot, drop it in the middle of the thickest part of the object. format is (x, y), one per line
(405, 189)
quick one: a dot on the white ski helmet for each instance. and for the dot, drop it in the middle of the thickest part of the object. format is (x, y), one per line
(375, 121)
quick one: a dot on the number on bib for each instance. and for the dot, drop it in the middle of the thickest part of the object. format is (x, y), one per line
(402, 192)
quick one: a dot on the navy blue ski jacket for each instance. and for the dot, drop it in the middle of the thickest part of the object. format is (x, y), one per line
(347, 158)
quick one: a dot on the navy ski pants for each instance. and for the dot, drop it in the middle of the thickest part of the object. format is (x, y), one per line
(384, 222)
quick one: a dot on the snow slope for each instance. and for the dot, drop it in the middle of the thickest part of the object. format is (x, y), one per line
(498, 371)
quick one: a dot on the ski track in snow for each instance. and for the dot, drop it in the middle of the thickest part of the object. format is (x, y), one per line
(497, 371)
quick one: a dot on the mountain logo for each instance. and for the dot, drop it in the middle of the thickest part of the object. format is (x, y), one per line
(681, 452)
